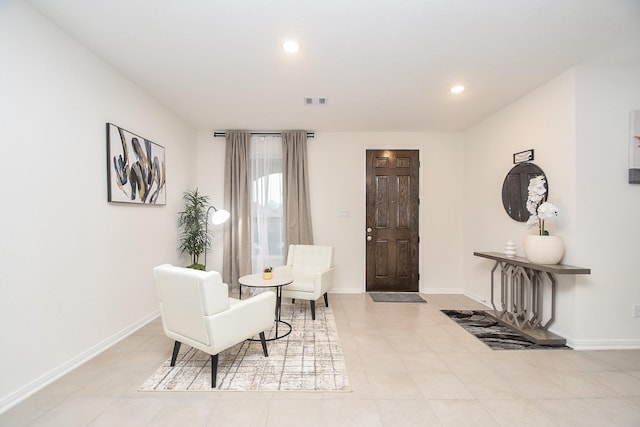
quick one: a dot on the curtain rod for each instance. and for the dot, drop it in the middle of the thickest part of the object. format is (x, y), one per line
(217, 134)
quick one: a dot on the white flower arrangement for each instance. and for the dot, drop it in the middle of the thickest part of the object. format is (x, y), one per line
(538, 206)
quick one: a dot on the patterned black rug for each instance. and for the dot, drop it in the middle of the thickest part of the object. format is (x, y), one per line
(492, 333)
(396, 297)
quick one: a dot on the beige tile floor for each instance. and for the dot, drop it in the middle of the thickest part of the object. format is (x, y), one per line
(409, 365)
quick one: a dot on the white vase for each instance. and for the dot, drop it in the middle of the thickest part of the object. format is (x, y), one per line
(543, 249)
(510, 249)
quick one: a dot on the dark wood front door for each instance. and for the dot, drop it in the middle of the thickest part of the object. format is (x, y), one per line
(392, 220)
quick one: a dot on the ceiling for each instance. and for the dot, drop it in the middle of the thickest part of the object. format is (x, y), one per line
(383, 65)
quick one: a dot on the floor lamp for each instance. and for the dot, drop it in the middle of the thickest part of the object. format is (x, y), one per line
(219, 217)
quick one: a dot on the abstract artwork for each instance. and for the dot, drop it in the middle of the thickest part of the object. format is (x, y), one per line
(136, 170)
(634, 148)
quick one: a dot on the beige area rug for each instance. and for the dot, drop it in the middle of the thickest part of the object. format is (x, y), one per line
(308, 359)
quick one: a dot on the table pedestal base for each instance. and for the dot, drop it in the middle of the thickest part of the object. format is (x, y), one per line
(522, 306)
(536, 335)
(277, 282)
(277, 335)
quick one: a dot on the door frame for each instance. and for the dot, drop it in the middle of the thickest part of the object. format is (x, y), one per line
(363, 219)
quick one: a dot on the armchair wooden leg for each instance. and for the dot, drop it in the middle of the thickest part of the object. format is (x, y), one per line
(214, 369)
(326, 300)
(313, 310)
(176, 349)
(263, 341)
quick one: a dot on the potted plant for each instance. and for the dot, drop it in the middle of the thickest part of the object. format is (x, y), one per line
(192, 223)
(541, 248)
(267, 274)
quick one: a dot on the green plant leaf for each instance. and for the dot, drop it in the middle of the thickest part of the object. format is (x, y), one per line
(192, 223)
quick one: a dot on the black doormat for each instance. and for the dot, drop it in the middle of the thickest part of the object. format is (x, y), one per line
(396, 297)
(492, 333)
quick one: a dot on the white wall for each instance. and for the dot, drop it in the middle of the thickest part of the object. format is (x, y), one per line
(337, 181)
(75, 270)
(210, 181)
(544, 121)
(578, 125)
(608, 226)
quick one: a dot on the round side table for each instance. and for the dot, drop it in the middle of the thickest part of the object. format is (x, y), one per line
(279, 280)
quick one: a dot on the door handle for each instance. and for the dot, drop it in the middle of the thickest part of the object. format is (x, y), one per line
(369, 238)
(369, 230)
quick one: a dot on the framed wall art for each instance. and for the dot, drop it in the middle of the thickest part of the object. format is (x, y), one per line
(523, 157)
(634, 148)
(136, 170)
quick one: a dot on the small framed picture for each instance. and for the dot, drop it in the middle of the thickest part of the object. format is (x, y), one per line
(136, 171)
(523, 156)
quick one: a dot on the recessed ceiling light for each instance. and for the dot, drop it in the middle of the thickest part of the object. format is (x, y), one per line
(457, 89)
(291, 46)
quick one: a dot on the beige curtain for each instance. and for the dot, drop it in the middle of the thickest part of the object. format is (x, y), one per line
(297, 209)
(237, 236)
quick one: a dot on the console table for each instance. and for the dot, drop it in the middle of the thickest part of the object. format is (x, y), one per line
(521, 295)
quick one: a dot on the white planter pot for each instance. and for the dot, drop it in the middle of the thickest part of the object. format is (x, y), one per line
(543, 249)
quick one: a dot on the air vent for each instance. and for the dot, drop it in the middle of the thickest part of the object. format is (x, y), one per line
(315, 101)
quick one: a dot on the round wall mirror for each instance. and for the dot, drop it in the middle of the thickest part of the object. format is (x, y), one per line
(514, 190)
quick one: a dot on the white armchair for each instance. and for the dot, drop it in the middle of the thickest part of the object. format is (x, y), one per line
(312, 270)
(196, 310)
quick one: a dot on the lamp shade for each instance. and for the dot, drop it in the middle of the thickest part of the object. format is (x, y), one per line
(220, 216)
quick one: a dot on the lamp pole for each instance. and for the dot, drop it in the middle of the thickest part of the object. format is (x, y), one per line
(218, 217)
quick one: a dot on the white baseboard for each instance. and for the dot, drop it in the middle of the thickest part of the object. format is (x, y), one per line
(346, 291)
(448, 291)
(12, 399)
(603, 344)
(426, 291)
(442, 291)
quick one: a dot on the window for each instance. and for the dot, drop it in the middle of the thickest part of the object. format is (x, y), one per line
(267, 240)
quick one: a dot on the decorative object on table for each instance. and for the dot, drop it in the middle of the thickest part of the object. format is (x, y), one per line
(194, 225)
(541, 248)
(136, 170)
(510, 249)
(311, 359)
(267, 274)
(634, 148)
(544, 249)
(538, 206)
